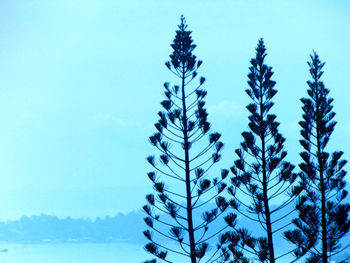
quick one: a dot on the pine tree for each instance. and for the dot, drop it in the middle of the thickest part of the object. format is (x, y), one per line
(181, 181)
(323, 220)
(261, 174)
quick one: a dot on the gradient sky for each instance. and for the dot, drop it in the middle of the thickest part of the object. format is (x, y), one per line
(81, 82)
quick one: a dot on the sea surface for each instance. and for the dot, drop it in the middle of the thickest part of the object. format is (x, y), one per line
(77, 253)
(81, 253)
(69, 253)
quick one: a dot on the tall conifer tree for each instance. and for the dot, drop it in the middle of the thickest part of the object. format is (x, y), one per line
(181, 180)
(261, 174)
(323, 220)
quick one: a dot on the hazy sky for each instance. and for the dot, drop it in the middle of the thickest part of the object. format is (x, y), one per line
(81, 83)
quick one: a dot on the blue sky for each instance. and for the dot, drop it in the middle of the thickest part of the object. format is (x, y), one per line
(81, 82)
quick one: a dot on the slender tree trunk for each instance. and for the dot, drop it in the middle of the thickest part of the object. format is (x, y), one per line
(266, 199)
(323, 206)
(187, 171)
(267, 208)
(324, 227)
(323, 190)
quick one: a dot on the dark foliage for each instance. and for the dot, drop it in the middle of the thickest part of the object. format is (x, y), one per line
(323, 219)
(261, 174)
(180, 179)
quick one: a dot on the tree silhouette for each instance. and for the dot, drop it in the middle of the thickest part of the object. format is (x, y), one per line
(175, 211)
(323, 220)
(261, 174)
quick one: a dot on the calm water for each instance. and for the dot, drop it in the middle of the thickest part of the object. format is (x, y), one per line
(79, 253)
(69, 253)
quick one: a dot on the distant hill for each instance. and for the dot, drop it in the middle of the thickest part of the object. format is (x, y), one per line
(118, 228)
(49, 229)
